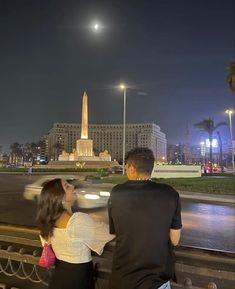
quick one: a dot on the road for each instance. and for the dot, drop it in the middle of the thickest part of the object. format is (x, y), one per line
(205, 225)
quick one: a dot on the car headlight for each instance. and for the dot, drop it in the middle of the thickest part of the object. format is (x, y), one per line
(91, 197)
(105, 194)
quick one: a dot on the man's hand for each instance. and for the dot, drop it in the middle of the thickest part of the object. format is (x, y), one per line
(175, 236)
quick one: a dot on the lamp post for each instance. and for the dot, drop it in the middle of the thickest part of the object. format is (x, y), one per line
(230, 112)
(122, 86)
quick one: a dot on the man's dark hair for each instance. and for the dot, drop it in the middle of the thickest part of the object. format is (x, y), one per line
(142, 159)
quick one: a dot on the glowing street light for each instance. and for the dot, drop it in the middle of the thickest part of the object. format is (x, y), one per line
(123, 87)
(203, 149)
(230, 112)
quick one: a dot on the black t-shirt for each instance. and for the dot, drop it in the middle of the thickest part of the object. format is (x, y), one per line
(141, 214)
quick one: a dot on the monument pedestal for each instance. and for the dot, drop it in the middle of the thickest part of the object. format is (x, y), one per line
(84, 148)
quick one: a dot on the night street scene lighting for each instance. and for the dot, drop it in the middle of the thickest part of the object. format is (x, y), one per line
(150, 70)
(123, 88)
(230, 112)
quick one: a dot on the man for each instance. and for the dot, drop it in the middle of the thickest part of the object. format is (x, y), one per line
(146, 218)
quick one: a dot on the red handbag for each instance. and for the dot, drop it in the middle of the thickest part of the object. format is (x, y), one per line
(48, 257)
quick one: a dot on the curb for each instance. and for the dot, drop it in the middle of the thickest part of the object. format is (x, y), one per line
(208, 197)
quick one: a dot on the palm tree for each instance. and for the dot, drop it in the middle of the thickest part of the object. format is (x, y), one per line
(208, 126)
(30, 151)
(230, 79)
(58, 148)
(16, 151)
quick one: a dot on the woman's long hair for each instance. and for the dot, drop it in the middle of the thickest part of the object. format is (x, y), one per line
(50, 207)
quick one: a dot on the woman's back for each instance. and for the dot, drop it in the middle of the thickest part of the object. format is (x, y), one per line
(72, 236)
(75, 236)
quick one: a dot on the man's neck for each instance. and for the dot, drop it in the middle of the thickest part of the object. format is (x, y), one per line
(140, 178)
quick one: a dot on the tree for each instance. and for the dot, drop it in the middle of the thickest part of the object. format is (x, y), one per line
(33, 150)
(230, 79)
(16, 148)
(209, 127)
(16, 152)
(30, 149)
(58, 148)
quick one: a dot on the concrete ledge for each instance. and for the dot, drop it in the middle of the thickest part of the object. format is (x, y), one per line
(193, 266)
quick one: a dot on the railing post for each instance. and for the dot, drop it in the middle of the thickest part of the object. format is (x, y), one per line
(212, 285)
(187, 283)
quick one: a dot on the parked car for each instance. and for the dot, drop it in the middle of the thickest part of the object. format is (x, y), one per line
(88, 196)
(212, 168)
(116, 170)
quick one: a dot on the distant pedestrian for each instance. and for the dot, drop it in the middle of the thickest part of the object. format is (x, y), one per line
(146, 218)
(72, 236)
(30, 170)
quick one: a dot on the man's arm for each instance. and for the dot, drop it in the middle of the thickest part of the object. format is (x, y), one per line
(176, 225)
(111, 224)
(175, 236)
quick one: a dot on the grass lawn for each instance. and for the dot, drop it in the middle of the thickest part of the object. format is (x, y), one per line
(206, 184)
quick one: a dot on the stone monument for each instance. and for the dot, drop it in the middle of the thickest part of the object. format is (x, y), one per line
(84, 146)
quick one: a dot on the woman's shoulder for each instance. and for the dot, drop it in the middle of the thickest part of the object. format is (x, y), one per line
(80, 218)
(79, 225)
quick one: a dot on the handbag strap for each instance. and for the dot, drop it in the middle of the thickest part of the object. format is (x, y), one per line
(48, 240)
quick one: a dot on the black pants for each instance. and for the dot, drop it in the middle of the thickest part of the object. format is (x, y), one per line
(72, 276)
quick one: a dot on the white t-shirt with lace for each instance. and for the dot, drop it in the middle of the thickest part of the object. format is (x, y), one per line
(82, 234)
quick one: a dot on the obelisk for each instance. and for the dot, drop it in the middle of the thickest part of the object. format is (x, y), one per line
(84, 146)
(84, 130)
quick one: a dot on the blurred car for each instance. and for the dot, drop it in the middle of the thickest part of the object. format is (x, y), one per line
(116, 170)
(88, 196)
(212, 168)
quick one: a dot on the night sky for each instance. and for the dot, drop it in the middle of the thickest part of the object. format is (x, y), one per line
(171, 54)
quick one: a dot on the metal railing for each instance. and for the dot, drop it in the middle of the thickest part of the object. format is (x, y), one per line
(20, 249)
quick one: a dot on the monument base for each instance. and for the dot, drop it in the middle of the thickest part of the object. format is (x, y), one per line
(96, 164)
(84, 147)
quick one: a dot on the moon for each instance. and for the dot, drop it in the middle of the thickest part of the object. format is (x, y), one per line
(96, 26)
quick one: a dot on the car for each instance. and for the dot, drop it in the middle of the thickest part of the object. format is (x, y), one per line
(88, 196)
(212, 168)
(116, 170)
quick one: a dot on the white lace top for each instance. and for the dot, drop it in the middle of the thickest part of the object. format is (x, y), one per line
(82, 234)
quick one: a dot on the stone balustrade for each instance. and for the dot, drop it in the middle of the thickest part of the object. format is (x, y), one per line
(20, 249)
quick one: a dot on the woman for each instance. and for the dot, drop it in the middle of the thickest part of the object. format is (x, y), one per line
(72, 236)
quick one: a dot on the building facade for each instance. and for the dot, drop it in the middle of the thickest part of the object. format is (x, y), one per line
(63, 136)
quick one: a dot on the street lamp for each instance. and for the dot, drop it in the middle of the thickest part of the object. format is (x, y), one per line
(230, 112)
(122, 86)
